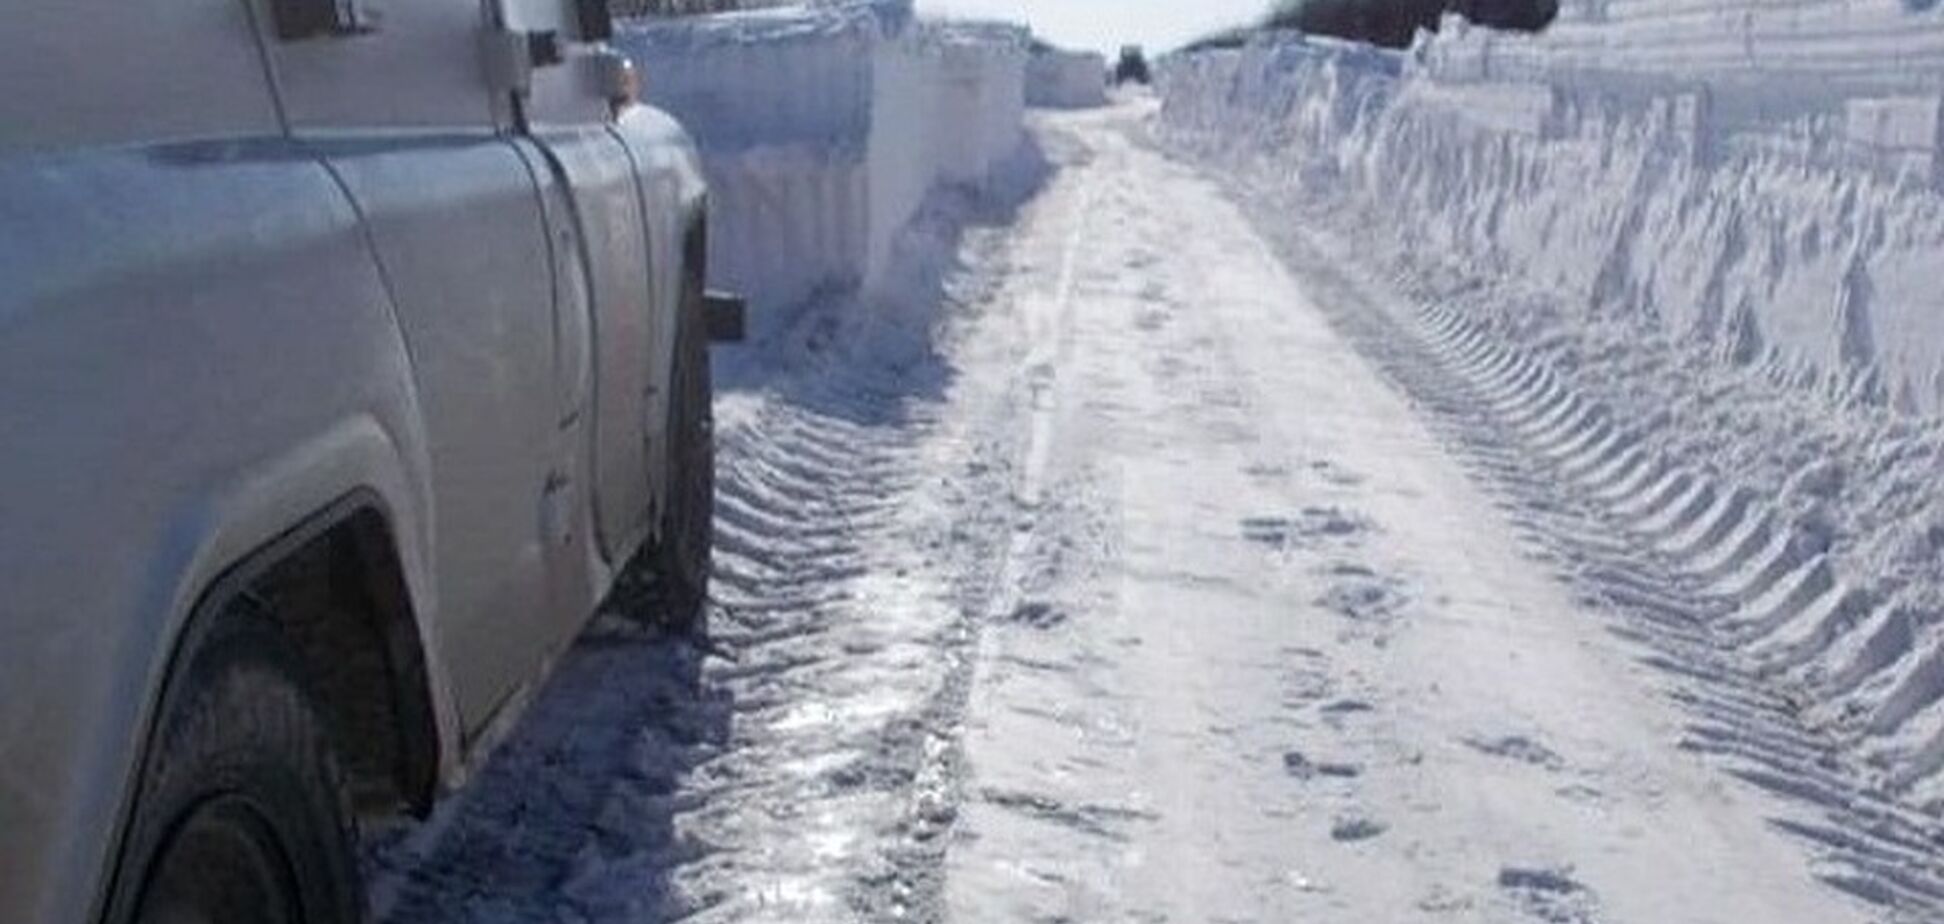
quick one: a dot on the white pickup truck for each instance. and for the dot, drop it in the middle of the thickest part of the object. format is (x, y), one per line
(349, 351)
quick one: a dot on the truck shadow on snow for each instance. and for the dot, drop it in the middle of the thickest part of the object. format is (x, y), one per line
(647, 780)
(595, 770)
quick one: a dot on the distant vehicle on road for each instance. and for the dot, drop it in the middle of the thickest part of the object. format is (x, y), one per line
(346, 361)
(1132, 66)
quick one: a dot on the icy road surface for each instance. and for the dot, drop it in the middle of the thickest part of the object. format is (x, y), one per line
(1152, 570)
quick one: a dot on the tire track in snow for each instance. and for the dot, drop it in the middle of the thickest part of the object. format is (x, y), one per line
(1049, 352)
(650, 782)
(991, 577)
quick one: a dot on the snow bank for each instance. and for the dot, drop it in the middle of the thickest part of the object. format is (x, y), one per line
(823, 128)
(1791, 53)
(1712, 235)
(977, 73)
(1066, 80)
(1804, 238)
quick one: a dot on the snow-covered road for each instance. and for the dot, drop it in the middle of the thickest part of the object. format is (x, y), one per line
(1155, 570)
(1278, 658)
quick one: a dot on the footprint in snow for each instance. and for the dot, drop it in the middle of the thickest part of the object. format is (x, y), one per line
(1300, 766)
(1519, 748)
(1347, 707)
(1549, 893)
(1310, 528)
(1364, 598)
(1580, 792)
(1338, 712)
(1036, 614)
(1266, 471)
(1352, 828)
(1443, 900)
(1305, 685)
(1336, 474)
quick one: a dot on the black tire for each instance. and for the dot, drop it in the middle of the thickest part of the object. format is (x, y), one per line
(241, 814)
(681, 559)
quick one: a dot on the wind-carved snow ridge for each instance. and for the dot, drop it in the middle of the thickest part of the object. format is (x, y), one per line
(1671, 309)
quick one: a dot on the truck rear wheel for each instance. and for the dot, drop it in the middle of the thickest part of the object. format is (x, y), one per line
(681, 559)
(241, 815)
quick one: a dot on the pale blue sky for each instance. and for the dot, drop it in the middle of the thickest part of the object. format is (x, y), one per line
(1104, 25)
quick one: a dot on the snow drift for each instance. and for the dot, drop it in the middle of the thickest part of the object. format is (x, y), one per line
(823, 128)
(1057, 79)
(1697, 249)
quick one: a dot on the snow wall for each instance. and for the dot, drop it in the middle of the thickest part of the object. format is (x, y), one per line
(1781, 224)
(1708, 240)
(1066, 80)
(823, 128)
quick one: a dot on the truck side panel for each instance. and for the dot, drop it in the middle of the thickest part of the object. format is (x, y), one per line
(668, 179)
(458, 229)
(404, 115)
(601, 183)
(73, 73)
(195, 345)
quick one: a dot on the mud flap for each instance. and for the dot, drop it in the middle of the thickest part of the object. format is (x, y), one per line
(727, 316)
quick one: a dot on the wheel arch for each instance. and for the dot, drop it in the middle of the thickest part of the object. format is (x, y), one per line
(366, 659)
(348, 549)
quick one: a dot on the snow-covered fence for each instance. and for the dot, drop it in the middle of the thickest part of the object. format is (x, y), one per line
(1058, 79)
(823, 129)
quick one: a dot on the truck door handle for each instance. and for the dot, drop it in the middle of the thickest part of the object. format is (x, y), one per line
(297, 20)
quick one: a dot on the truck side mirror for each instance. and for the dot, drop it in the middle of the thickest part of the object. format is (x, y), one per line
(726, 316)
(596, 20)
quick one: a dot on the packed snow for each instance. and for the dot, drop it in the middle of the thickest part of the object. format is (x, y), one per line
(1356, 486)
(1724, 332)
